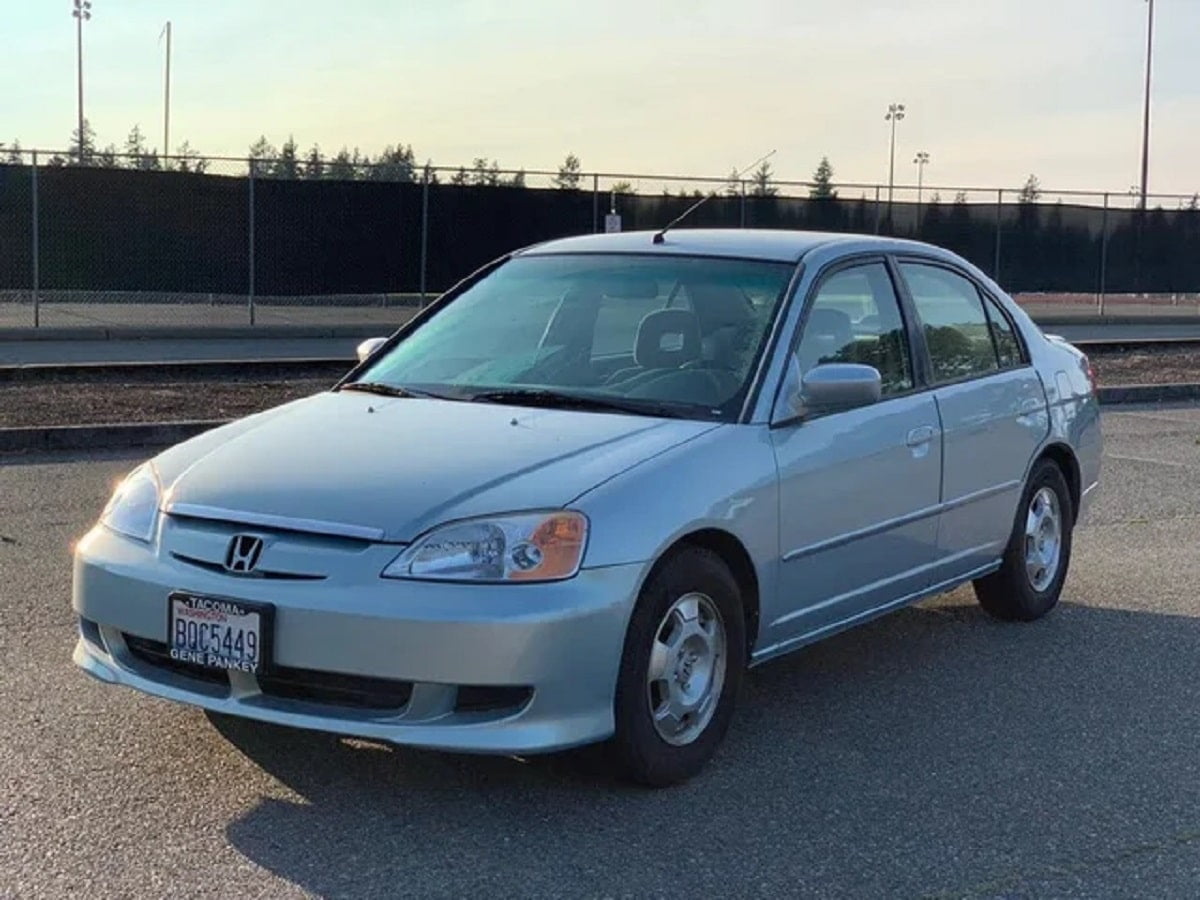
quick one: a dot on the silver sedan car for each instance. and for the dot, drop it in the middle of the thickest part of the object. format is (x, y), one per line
(577, 497)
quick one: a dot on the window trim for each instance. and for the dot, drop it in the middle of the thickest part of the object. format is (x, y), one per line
(1022, 350)
(917, 259)
(831, 269)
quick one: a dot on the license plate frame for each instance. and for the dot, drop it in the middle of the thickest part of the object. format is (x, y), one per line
(210, 609)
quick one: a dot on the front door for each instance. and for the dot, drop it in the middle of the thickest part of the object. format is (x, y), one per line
(858, 489)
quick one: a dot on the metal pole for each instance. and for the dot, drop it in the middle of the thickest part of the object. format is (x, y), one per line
(424, 232)
(743, 184)
(1103, 253)
(892, 165)
(999, 212)
(167, 101)
(595, 203)
(1146, 109)
(79, 13)
(250, 283)
(36, 227)
(878, 210)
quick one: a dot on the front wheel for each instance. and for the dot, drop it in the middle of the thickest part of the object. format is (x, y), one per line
(681, 668)
(1030, 578)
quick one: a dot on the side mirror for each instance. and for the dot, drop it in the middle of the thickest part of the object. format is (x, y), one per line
(827, 388)
(836, 386)
(369, 346)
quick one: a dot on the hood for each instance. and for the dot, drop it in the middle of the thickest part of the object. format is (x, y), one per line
(401, 466)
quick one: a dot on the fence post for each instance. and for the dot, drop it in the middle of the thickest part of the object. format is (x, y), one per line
(424, 231)
(742, 183)
(999, 228)
(33, 190)
(1103, 254)
(250, 230)
(595, 203)
(878, 211)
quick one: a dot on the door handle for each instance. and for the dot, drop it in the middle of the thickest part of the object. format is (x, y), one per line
(919, 436)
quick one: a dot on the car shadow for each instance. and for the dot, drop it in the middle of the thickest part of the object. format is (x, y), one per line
(933, 750)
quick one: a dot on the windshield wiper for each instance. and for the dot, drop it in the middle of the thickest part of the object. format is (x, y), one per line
(385, 390)
(559, 400)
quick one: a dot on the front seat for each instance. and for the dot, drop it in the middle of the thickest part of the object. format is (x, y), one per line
(666, 339)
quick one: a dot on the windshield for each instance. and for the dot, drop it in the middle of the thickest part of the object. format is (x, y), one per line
(673, 335)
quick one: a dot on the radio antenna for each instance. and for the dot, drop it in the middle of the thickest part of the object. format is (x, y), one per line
(658, 237)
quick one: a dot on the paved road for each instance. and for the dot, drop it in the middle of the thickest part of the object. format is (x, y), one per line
(933, 753)
(18, 352)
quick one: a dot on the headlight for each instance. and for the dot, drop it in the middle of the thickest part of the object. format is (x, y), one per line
(133, 507)
(525, 547)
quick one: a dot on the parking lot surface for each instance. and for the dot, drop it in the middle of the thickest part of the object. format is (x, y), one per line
(933, 753)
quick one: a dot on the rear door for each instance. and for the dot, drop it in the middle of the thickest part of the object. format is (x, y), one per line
(992, 408)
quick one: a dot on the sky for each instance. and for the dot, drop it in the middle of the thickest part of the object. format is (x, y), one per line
(995, 90)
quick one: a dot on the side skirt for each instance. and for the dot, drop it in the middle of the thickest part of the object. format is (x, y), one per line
(785, 647)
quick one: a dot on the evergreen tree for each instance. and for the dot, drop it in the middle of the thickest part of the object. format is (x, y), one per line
(733, 184)
(569, 173)
(138, 155)
(822, 187)
(396, 163)
(189, 160)
(314, 164)
(484, 174)
(761, 179)
(461, 177)
(262, 152)
(85, 152)
(287, 163)
(341, 167)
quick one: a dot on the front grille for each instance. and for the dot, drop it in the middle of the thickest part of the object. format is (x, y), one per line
(157, 654)
(284, 682)
(473, 698)
(356, 691)
(257, 573)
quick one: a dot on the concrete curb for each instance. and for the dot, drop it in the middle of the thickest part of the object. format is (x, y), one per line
(198, 333)
(211, 368)
(100, 437)
(1148, 393)
(149, 434)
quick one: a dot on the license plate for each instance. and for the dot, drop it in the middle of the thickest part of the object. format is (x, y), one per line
(218, 633)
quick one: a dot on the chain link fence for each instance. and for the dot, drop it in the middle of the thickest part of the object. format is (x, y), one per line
(131, 242)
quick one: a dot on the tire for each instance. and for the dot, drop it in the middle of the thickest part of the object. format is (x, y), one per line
(1022, 589)
(688, 601)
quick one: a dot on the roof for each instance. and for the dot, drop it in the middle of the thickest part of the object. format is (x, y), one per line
(745, 243)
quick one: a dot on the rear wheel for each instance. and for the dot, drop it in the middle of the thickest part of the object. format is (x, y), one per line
(681, 668)
(1030, 578)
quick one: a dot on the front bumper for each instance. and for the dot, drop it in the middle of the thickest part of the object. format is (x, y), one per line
(552, 649)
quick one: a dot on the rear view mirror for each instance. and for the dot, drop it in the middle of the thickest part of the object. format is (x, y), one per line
(369, 346)
(836, 386)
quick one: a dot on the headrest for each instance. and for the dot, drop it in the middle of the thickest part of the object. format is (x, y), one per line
(667, 338)
(830, 323)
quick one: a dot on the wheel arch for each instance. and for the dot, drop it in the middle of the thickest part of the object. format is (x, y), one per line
(729, 548)
(1064, 457)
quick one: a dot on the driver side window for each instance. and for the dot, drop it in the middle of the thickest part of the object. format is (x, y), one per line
(855, 318)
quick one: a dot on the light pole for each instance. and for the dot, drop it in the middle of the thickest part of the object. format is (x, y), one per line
(894, 114)
(921, 160)
(166, 97)
(81, 12)
(1146, 108)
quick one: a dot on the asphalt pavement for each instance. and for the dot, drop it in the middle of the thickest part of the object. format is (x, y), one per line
(932, 753)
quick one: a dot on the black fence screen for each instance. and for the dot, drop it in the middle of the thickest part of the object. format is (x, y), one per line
(179, 232)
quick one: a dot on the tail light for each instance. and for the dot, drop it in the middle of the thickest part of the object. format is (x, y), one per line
(1089, 371)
